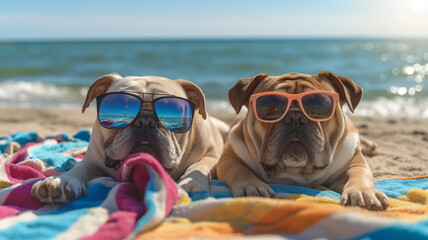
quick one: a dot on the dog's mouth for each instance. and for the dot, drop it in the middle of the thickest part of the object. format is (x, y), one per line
(143, 147)
(291, 151)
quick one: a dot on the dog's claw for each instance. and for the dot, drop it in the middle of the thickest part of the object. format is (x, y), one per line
(368, 198)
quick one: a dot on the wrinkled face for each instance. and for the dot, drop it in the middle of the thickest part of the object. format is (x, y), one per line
(295, 144)
(145, 134)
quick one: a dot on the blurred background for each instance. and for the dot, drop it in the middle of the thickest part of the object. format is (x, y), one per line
(51, 51)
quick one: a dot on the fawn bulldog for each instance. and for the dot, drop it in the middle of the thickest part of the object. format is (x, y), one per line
(148, 114)
(296, 133)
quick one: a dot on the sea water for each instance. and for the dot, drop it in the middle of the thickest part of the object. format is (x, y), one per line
(393, 73)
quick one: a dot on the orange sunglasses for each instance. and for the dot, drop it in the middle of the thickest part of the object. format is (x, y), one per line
(270, 107)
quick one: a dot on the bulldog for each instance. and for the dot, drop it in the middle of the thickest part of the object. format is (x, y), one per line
(148, 114)
(294, 133)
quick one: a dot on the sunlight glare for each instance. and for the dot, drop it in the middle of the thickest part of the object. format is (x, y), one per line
(418, 6)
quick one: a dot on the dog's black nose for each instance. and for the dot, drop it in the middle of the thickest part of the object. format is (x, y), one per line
(295, 118)
(146, 120)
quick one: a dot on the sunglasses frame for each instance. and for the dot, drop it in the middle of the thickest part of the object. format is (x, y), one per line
(291, 97)
(142, 101)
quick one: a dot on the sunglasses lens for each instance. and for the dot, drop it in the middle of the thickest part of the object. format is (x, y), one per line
(118, 110)
(271, 107)
(175, 114)
(318, 106)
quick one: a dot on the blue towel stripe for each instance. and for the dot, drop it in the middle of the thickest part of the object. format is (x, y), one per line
(96, 194)
(395, 188)
(43, 227)
(53, 155)
(415, 231)
(392, 188)
(19, 137)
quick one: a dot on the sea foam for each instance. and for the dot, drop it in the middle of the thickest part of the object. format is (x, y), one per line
(23, 93)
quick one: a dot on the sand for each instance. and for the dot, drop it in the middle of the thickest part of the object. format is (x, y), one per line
(402, 142)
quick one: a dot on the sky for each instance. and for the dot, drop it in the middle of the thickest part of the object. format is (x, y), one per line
(172, 19)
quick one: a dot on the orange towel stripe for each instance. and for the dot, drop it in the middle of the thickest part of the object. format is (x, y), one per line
(292, 218)
(189, 229)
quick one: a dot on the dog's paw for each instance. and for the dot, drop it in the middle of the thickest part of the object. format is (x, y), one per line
(194, 182)
(369, 198)
(255, 189)
(57, 189)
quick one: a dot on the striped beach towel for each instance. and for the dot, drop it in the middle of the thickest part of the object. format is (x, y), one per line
(140, 198)
(144, 203)
(299, 213)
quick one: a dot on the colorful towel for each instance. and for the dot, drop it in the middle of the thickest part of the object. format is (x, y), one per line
(299, 213)
(139, 200)
(135, 205)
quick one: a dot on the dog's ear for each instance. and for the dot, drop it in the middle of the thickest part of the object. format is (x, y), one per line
(240, 93)
(349, 91)
(194, 94)
(97, 88)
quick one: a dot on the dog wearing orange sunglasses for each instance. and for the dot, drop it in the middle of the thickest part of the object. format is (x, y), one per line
(189, 155)
(296, 133)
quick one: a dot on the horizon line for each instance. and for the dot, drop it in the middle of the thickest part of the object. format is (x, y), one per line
(223, 38)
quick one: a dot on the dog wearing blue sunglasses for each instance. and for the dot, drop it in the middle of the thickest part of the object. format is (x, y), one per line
(156, 115)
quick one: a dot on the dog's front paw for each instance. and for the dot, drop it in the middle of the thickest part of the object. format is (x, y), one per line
(369, 198)
(194, 182)
(256, 189)
(57, 189)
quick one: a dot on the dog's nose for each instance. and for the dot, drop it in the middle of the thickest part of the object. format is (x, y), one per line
(295, 118)
(146, 119)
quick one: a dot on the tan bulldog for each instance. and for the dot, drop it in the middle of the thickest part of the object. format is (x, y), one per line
(296, 150)
(190, 158)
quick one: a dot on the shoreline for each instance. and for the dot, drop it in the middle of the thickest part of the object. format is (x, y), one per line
(402, 141)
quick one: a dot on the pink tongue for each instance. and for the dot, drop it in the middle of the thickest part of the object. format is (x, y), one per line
(296, 139)
(144, 142)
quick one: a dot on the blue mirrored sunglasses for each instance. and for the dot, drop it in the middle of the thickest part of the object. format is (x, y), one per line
(119, 109)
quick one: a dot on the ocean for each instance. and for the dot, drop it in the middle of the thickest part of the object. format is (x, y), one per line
(393, 73)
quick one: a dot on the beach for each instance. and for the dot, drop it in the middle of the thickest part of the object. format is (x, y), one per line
(43, 84)
(402, 142)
